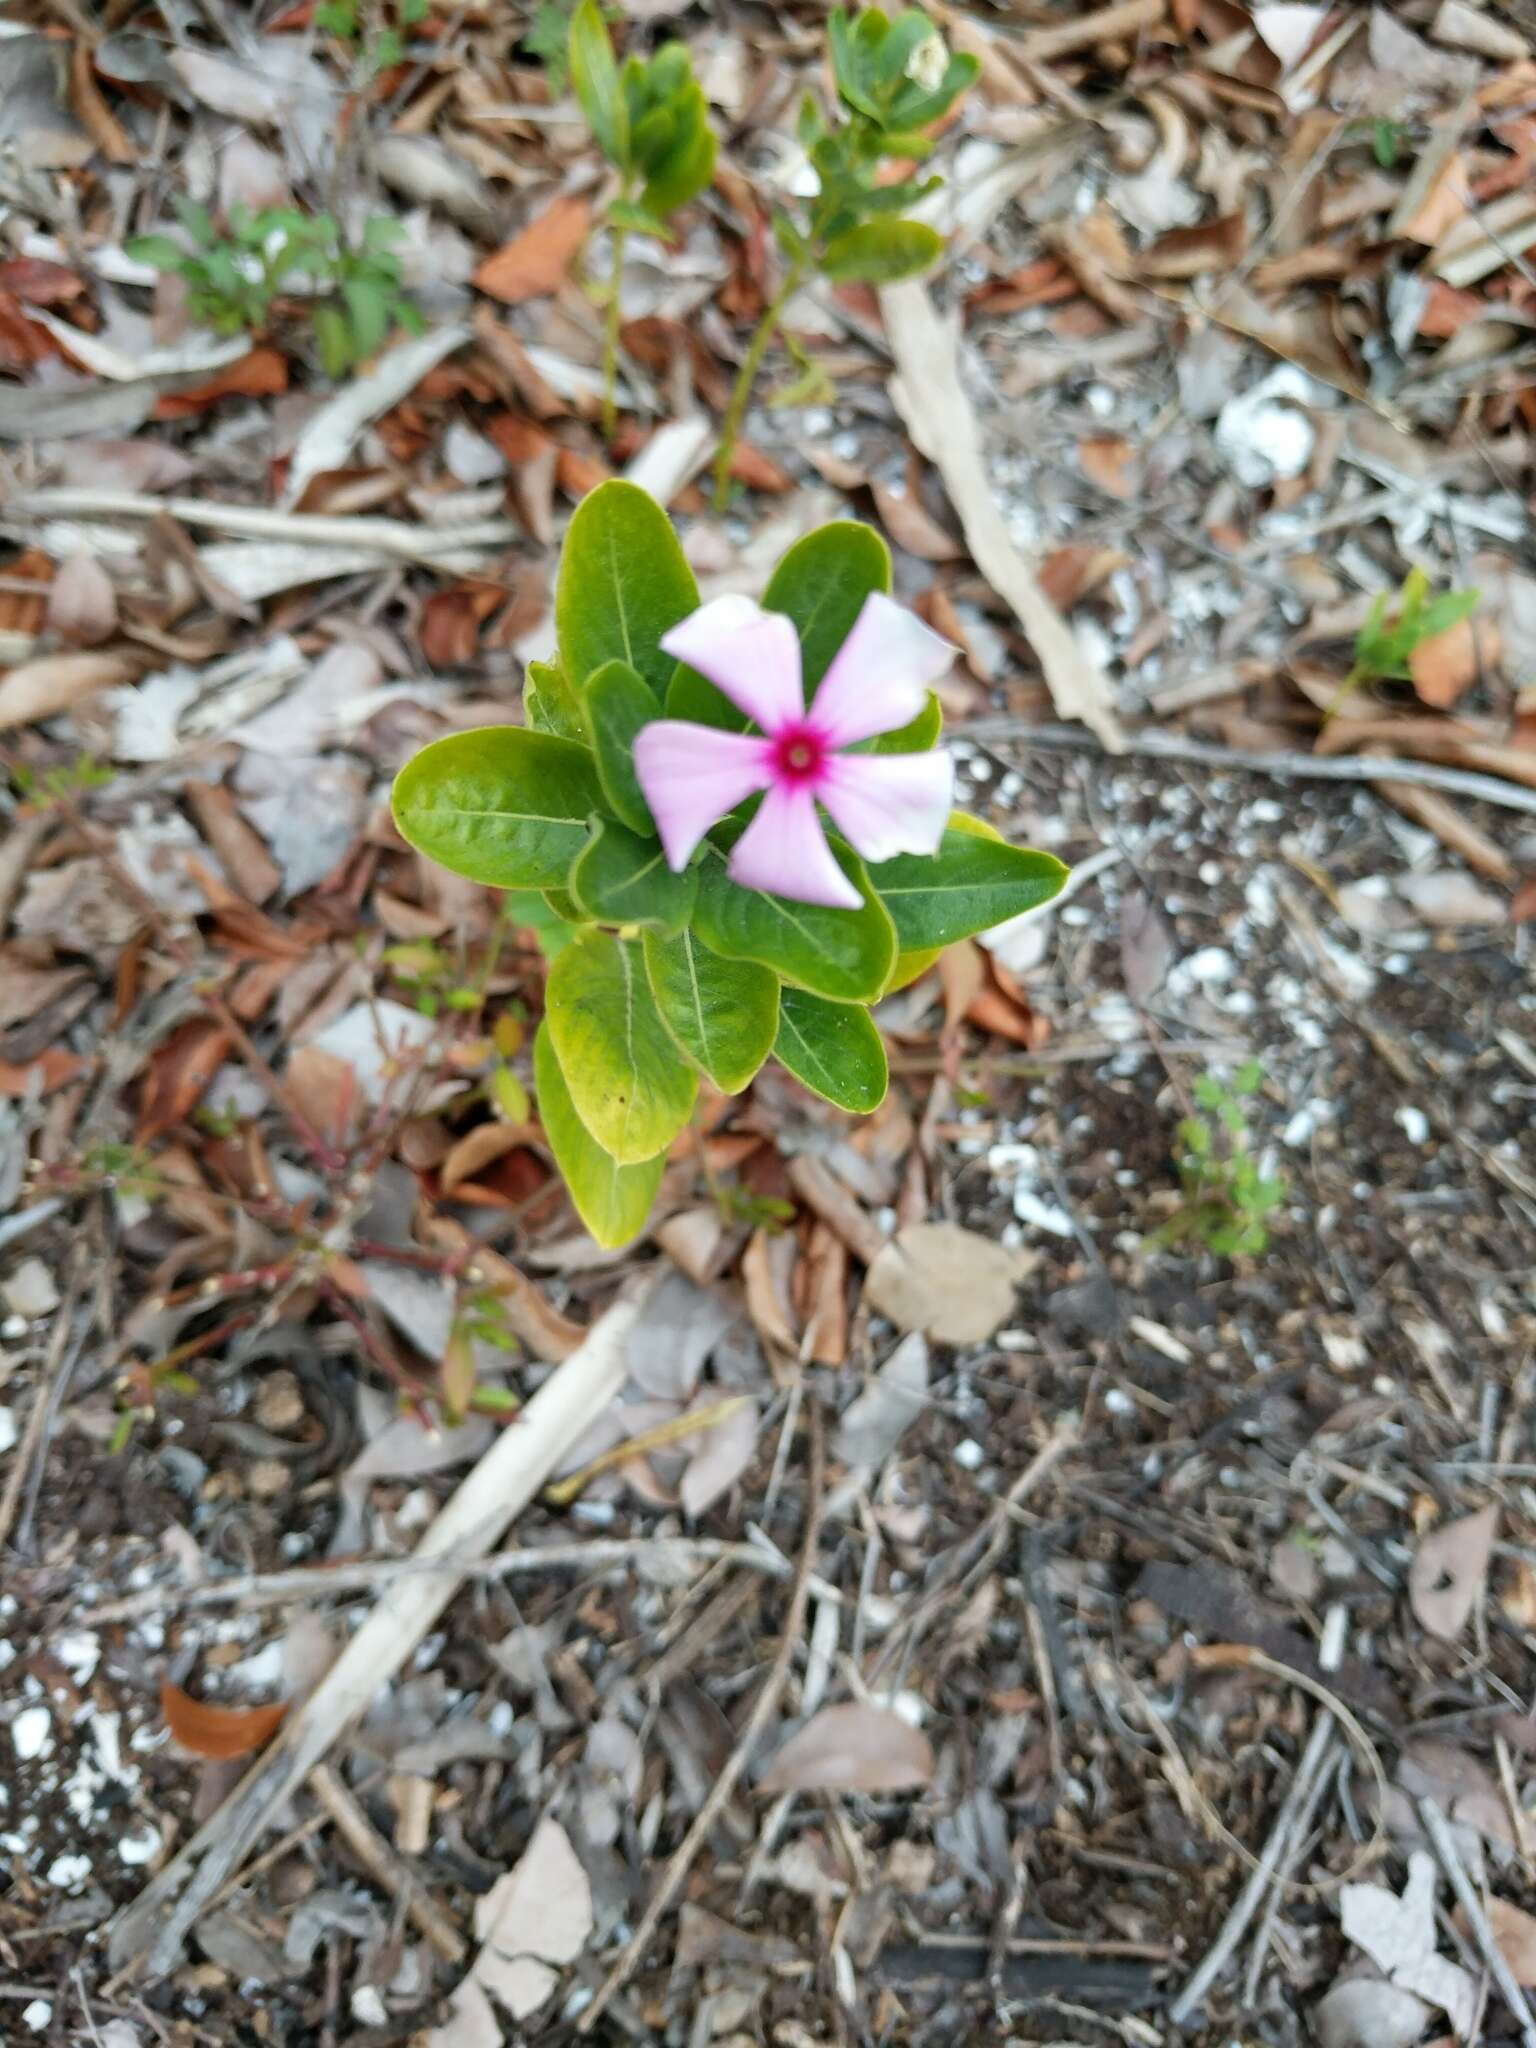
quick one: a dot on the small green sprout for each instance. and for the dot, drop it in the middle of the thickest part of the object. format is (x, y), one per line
(894, 78)
(1385, 644)
(54, 785)
(651, 120)
(1227, 1198)
(234, 278)
(344, 20)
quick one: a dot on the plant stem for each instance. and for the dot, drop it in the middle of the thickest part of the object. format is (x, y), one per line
(746, 377)
(611, 334)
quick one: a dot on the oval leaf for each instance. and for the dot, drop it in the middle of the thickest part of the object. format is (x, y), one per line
(844, 954)
(881, 252)
(502, 805)
(550, 704)
(1449, 1571)
(629, 1085)
(620, 878)
(612, 1200)
(595, 77)
(851, 1748)
(821, 584)
(623, 582)
(834, 1048)
(618, 704)
(217, 1733)
(972, 883)
(723, 1013)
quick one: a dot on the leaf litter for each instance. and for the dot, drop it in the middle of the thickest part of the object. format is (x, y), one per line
(1233, 333)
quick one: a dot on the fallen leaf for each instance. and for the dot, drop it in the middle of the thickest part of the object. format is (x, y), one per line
(678, 1328)
(724, 1454)
(931, 400)
(1444, 896)
(874, 1422)
(1515, 1932)
(1147, 948)
(82, 602)
(1109, 462)
(1447, 664)
(179, 1073)
(51, 684)
(1192, 251)
(534, 263)
(1399, 1935)
(1368, 2012)
(1449, 1571)
(913, 527)
(1069, 573)
(851, 1748)
(50, 1070)
(1522, 907)
(538, 1914)
(217, 1733)
(261, 373)
(953, 1285)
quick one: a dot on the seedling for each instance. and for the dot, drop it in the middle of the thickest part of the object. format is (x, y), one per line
(1386, 642)
(345, 20)
(1226, 1196)
(894, 79)
(666, 794)
(234, 278)
(57, 784)
(651, 121)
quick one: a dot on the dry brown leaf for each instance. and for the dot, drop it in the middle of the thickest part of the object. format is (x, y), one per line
(238, 844)
(928, 394)
(534, 263)
(82, 602)
(51, 684)
(1109, 462)
(478, 1148)
(179, 1073)
(538, 1915)
(1191, 252)
(852, 1748)
(1522, 909)
(50, 1070)
(724, 1454)
(913, 527)
(217, 1733)
(1514, 1930)
(1449, 1571)
(954, 1285)
(1447, 664)
(324, 1089)
(1147, 949)
(261, 374)
(764, 1269)
(1069, 573)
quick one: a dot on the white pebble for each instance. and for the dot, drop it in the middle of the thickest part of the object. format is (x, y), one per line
(1414, 1122)
(969, 1455)
(7, 1430)
(36, 2015)
(32, 1733)
(140, 1848)
(68, 1871)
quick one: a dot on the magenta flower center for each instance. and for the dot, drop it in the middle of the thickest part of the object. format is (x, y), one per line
(799, 754)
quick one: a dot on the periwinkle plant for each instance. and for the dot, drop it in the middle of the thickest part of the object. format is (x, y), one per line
(894, 79)
(650, 120)
(667, 793)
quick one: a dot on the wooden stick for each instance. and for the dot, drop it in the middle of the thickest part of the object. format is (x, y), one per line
(388, 1870)
(1289, 767)
(156, 1925)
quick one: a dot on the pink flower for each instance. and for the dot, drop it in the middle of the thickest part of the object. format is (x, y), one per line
(883, 804)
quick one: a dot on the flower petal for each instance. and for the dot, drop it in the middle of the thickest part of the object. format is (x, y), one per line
(879, 674)
(885, 804)
(751, 655)
(785, 851)
(691, 775)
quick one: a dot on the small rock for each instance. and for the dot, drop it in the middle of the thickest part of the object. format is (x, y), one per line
(280, 1403)
(32, 1733)
(30, 1291)
(266, 1478)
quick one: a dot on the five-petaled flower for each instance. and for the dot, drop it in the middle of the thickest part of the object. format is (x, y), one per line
(883, 804)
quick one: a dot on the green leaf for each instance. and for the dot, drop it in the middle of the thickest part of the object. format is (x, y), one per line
(160, 251)
(623, 582)
(502, 805)
(844, 954)
(881, 252)
(834, 1048)
(915, 737)
(595, 77)
(690, 163)
(627, 1079)
(551, 704)
(620, 878)
(723, 1013)
(618, 705)
(969, 885)
(368, 309)
(623, 213)
(821, 584)
(335, 339)
(612, 1200)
